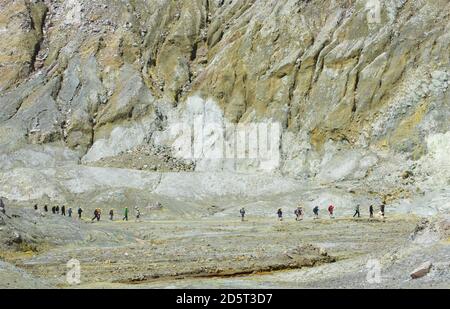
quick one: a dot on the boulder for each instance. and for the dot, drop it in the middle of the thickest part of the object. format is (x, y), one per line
(422, 270)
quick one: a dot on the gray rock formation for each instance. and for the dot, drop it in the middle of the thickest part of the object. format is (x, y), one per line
(354, 88)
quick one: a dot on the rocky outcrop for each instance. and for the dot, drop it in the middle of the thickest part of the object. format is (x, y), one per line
(326, 70)
(431, 231)
(359, 92)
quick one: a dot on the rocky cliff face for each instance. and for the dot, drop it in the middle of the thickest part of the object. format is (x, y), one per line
(359, 87)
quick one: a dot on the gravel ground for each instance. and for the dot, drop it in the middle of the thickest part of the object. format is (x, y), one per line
(219, 252)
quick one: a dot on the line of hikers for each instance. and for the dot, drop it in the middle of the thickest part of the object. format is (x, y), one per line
(56, 210)
(299, 212)
(97, 212)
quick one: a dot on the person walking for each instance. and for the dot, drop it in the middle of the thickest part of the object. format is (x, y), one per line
(382, 207)
(357, 211)
(63, 210)
(280, 214)
(301, 212)
(138, 213)
(80, 211)
(111, 214)
(69, 212)
(54, 210)
(298, 213)
(2, 206)
(331, 211)
(46, 208)
(242, 212)
(95, 214)
(316, 212)
(125, 217)
(57, 209)
(371, 211)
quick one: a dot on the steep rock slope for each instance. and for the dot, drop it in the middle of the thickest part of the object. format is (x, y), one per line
(352, 83)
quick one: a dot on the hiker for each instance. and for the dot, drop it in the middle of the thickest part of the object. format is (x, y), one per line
(97, 214)
(46, 208)
(356, 211)
(80, 211)
(242, 212)
(330, 211)
(57, 209)
(111, 214)
(383, 205)
(280, 214)
(63, 210)
(316, 212)
(125, 217)
(371, 211)
(298, 213)
(69, 212)
(2, 206)
(54, 210)
(301, 212)
(138, 213)
(35, 207)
